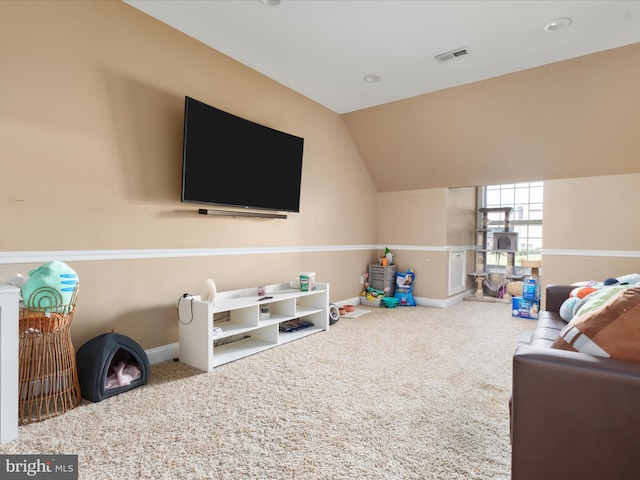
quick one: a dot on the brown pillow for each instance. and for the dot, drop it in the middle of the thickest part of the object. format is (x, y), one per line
(611, 330)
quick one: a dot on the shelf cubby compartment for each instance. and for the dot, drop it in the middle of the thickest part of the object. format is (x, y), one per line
(235, 321)
(244, 344)
(280, 310)
(316, 318)
(309, 303)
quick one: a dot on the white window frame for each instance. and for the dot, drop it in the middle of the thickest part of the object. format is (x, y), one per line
(512, 195)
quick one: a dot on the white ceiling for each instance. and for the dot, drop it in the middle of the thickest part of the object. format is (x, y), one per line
(324, 48)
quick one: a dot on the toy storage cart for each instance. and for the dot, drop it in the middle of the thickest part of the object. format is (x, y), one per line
(381, 277)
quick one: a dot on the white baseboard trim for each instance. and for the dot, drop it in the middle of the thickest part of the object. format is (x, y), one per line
(348, 301)
(446, 303)
(421, 301)
(163, 353)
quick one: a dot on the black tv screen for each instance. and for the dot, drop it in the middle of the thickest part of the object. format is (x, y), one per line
(230, 161)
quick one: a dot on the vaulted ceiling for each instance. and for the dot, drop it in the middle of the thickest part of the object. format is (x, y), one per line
(328, 49)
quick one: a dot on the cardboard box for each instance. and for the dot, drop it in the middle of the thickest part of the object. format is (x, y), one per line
(525, 308)
(531, 289)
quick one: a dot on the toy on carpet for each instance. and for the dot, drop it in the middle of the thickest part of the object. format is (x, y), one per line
(371, 294)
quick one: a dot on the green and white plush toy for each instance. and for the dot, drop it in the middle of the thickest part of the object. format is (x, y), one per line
(56, 275)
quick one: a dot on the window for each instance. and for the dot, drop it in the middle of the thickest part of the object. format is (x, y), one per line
(525, 218)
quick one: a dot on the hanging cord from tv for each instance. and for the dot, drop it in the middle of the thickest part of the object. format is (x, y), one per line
(180, 299)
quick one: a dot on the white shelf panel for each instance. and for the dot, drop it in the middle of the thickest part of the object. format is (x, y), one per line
(239, 349)
(231, 328)
(226, 301)
(302, 311)
(274, 318)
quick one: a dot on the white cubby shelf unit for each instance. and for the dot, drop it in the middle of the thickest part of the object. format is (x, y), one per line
(243, 333)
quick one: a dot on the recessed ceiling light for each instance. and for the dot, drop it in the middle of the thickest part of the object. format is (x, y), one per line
(270, 3)
(372, 78)
(558, 24)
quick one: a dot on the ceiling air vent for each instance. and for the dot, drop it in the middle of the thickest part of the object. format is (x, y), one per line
(445, 57)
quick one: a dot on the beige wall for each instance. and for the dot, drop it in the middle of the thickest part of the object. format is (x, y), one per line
(422, 226)
(591, 228)
(592, 213)
(91, 107)
(462, 216)
(91, 140)
(416, 217)
(414, 225)
(573, 118)
(577, 118)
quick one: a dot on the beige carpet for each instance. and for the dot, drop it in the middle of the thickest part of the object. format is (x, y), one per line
(404, 393)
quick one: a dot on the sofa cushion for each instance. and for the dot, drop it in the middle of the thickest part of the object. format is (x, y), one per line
(547, 329)
(550, 320)
(598, 298)
(610, 330)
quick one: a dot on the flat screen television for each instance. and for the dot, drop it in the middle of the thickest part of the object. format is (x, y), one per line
(230, 161)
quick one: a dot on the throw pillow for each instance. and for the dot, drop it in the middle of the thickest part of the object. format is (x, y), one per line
(567, 308)
(582, 292)
(599, 298)
(632, 279)
(611, 330)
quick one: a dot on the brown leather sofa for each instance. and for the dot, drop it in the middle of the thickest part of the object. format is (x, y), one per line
(573, 415)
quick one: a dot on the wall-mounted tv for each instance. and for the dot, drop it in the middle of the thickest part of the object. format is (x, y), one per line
(230, 161)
